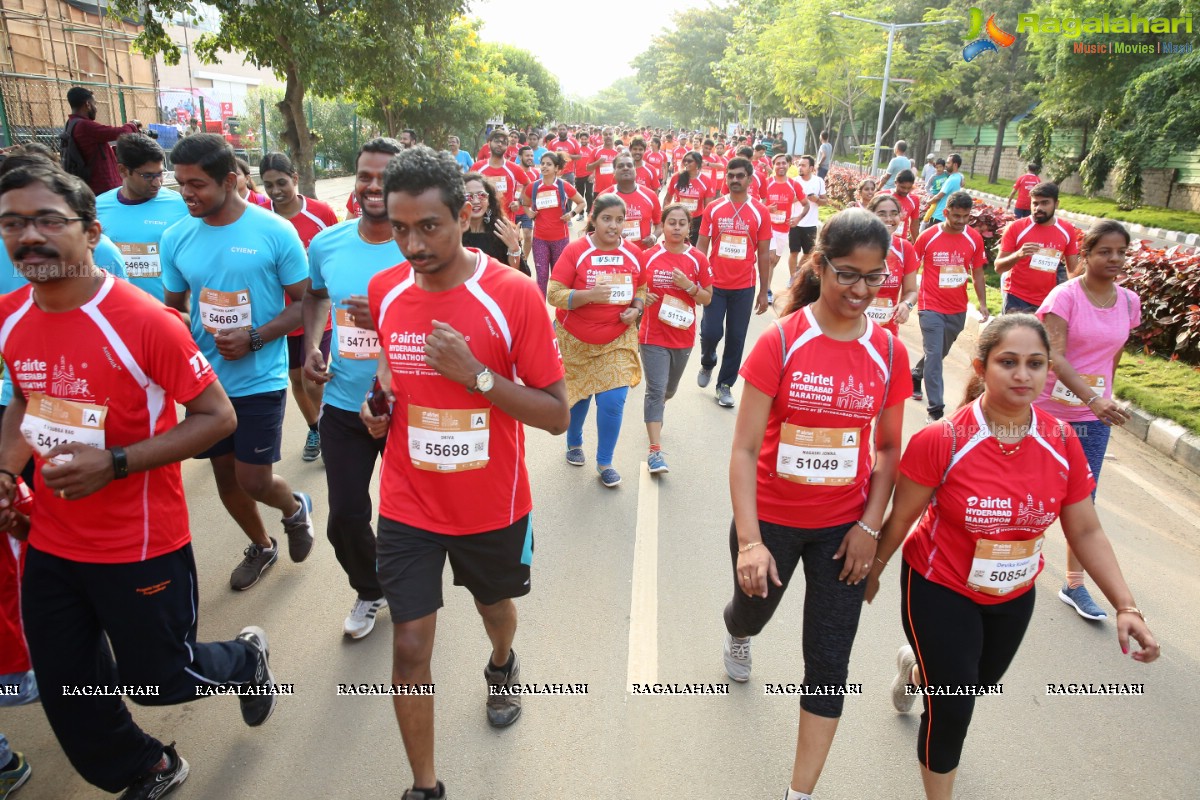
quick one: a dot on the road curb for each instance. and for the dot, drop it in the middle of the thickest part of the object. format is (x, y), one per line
(1087, 220)
(1165, 436)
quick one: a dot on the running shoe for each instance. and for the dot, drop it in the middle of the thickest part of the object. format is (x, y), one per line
(13, 779)
(361, 620)
(1079, 599)
(917, 395)
(312, 447)
(724, 396)
(737, 658)
(254, 564)
(257, 708)
(703, 377)
(154, 785)
(770, 297)
(609, 477)
(932, 416)
(439, 793)
(657, 463)
(575, 456)
(503, 709)
(902, 701)
(299, 529)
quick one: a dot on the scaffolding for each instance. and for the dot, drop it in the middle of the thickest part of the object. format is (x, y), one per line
(48, 46)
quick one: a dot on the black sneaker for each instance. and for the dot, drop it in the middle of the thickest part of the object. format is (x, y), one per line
(257, 708)
(254, 564)
(154, 785)
(503, 709)
(418, 794)
(917, 395)
(299, 529)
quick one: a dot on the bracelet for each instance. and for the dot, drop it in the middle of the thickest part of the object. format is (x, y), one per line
(694, 290)
(749, 547)
(874, 533)
(570, 299)
(516, 254)
(1091, 400)
(12, 475)
(881, 561)
(1132, 610)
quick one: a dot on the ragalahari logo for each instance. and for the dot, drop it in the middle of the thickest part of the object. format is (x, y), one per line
(983, 38)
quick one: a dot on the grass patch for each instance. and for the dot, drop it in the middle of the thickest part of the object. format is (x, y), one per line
(1160, 387)
(825, 212)
(1150, 216)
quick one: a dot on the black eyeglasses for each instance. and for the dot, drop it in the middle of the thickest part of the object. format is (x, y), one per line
(849, 277)
(46, 224)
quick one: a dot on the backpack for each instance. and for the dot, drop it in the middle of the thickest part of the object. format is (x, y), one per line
(73, 161)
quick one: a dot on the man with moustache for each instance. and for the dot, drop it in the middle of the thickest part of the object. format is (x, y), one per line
(1034, 249)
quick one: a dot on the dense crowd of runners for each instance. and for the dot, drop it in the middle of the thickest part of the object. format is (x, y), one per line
(418, 334)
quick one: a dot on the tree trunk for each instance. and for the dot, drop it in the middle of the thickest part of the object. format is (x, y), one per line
(994, 171)
(296, 134)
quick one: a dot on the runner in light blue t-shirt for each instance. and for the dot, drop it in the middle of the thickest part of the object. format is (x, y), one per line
(137, 212)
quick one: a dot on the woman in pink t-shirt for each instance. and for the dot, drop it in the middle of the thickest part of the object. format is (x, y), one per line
(1089, 319)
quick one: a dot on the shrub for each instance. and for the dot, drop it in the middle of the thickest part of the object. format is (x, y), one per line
(1168, 283)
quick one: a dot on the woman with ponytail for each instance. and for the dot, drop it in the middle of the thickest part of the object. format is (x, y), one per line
(692, 190)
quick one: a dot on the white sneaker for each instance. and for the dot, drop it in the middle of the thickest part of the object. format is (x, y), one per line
(902, 701)
(362, 617)
(737, 658)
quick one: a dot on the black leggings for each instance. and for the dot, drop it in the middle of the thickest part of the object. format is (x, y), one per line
(694, 230)
(831, 607)
(958, 642)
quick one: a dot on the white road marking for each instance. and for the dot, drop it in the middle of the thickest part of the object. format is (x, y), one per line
(643, 607)
(1171, 500)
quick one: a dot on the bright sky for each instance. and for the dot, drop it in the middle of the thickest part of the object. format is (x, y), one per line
(570, 50)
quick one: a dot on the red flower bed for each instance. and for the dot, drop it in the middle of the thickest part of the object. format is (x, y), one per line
(1168, 283)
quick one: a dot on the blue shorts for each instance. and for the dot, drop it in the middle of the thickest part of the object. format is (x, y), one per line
(525, 221)
(259, 432)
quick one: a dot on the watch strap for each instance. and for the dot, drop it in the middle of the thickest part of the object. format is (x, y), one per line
(120, 462)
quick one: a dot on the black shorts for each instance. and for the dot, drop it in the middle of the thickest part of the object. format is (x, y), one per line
(802, 240)
(259, 432)
(493, 565)
(295, 346)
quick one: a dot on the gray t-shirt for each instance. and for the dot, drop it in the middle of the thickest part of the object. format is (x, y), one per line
(895, 166)
(825, 156)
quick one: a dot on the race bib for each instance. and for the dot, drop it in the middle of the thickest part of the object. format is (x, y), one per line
(1003, 567)
(881, 310)
(620, 287)
(779, 217)
(546, 200)
(1046, 260)
(448, 440)
(733, 246)
(141, 259)
(707, 172)
(357, 344)
(606, 168)
(822, 456)
(51, 421)
(224, 310)
(501, 184)
(952, 276)
(676, 313)
(632, 229)
(1065, 396)
(690, 203)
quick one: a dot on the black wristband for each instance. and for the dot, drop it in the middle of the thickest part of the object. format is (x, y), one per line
(120, 462)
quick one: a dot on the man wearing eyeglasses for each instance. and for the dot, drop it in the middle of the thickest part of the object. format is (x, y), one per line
(135, 214)
(951, 253)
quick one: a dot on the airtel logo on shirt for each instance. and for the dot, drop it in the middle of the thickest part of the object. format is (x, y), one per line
(990, 502)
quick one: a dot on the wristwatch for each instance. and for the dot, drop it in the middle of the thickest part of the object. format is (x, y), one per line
(256, 342)
(911, 305)
(484, 381)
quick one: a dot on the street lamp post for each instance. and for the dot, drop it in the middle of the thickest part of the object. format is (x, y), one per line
(891, 28)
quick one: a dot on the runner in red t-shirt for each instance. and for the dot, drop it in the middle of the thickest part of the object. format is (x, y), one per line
(986, 485)
(736, 235)
(910, 206)
(693, 191)
(898, 295)
(509, 179)
(643, 211)
(109, 576)
(786, 202)
(656, 159)
(1034, 249)
(678, 278)
(602, 159)
(1020, 190)
(309, 217)
(470, 359)
(569, 149)
(713, 170)
(583, 175)
(814, 458)
(353, 210)
(951, 254)
(548, 200)
(646, 175)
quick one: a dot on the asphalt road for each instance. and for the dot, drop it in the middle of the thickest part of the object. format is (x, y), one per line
(628, 586)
